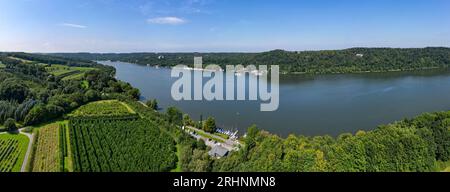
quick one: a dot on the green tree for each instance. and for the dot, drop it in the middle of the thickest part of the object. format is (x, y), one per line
(10, 124)
(13, 90)
(250, 139)
(36, 115)
(92, 95)
(175, 116)
(134, 93)
(187, 121)
(210, 125)
(200, 144)
(152, 104)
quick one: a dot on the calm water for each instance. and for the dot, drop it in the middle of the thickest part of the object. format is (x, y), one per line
(319, 105)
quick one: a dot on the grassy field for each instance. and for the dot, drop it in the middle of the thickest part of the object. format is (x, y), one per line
(65, 138)
(443, 166)
(74, 76)
(225, 136)
(12, 152)
(20, 59)
(62, 71)
(47, 156)
(104, 108)
(67, 72)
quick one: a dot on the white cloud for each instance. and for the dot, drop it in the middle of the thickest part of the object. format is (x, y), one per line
(166, 20)
(73, 25)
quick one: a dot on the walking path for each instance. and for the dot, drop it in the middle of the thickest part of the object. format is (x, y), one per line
(30, 145)
(143, 103)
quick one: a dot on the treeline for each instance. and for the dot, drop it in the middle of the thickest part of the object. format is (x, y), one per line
(354, 60)
(29, 95)
(409, 145)
(50, 59)
(14, 110)
(17, 67)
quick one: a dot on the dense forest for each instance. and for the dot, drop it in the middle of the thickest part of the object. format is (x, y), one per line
(29, 94)
(410, 145)
(418, 144)
(354, 60)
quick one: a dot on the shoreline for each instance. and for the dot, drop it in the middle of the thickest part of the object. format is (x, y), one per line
(257, 72)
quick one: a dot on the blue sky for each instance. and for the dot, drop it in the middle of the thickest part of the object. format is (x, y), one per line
(220, 25)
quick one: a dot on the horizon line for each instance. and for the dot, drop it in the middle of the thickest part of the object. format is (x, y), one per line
(304, 50)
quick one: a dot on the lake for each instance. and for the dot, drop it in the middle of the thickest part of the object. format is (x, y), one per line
(310, 105)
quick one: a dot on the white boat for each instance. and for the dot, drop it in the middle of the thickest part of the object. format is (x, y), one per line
(258, 73)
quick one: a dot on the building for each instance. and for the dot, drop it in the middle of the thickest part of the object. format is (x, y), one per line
(218, 151)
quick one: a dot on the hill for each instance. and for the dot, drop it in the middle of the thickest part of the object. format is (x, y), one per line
(354, 60)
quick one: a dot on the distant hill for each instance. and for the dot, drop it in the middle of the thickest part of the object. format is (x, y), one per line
(354, 60)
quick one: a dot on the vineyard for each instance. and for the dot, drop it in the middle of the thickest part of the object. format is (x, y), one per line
(12, 152)
(120, 145)
(66, 158)
(48, 156)
(104, 108)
